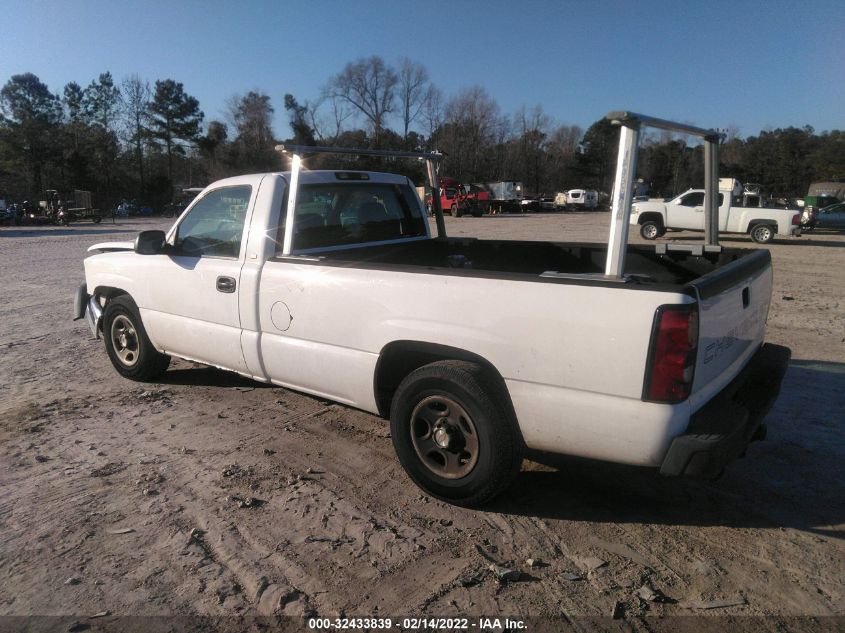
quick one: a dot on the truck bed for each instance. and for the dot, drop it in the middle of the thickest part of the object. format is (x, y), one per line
(560, 261)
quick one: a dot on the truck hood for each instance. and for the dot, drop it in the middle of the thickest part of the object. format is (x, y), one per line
(647, 205)
(108, 247)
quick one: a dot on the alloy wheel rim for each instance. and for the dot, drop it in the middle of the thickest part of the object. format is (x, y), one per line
(124, 339)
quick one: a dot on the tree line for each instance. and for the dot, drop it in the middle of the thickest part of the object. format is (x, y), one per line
(133, 139)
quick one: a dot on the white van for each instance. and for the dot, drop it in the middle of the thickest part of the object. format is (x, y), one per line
(587, 198)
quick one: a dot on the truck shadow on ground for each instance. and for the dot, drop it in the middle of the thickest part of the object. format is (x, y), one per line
(209, 377)
(794, 479)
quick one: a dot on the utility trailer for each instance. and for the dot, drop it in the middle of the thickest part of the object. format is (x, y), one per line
(505, 196)
(79, 206)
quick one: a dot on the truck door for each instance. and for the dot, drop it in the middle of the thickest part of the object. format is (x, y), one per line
(687, 212)
(193, 310)
(726, 212)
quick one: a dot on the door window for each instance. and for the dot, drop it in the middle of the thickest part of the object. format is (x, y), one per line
(215, 226)
(694, 199)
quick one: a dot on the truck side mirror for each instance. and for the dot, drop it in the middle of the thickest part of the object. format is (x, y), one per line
(150, 242)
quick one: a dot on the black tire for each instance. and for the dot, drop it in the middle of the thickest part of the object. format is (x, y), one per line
(127, 343)
(651, 230)
(763, 233)
(494, 442)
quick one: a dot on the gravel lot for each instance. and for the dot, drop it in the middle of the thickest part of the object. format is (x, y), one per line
(128, 498)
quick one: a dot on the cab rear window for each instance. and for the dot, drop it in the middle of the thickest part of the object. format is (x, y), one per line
(348, 213)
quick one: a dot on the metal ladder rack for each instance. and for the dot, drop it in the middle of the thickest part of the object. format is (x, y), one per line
(623, 183)
(298, 151)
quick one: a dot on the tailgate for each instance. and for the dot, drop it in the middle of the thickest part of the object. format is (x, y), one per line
(733, 307)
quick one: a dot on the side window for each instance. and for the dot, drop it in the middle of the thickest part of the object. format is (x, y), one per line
(694, 199)
(213, 228)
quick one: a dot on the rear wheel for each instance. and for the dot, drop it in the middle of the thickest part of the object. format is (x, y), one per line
(762, 233)
(127, 345)
(452, 433)
(651, 230)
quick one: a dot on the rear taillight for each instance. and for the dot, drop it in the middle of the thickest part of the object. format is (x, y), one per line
(796, 219)
(671, 361)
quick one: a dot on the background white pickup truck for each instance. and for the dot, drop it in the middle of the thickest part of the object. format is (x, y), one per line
(686, 211)
(330, 283)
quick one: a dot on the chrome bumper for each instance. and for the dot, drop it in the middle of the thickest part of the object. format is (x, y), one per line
(94, 316)
(88, 307)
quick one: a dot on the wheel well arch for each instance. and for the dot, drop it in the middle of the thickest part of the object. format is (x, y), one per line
(109, 292)
(753, 223)
(650, 216)
(397, 359)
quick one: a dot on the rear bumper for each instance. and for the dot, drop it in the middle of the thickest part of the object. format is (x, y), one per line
(720, 431)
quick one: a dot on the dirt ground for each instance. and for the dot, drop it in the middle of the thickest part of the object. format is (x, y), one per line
(131, 498)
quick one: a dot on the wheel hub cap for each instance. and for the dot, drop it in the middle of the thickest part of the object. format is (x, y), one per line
(125, 341)
(444, 437)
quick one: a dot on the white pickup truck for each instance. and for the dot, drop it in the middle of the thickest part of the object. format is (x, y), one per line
(686, 211)
(330, 283)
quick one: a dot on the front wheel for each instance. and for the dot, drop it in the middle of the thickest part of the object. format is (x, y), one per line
(762, 234)
(453, 434)
(127, 344)
(651, 230)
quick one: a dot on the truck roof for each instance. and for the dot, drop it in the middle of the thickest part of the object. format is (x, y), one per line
(320, 176)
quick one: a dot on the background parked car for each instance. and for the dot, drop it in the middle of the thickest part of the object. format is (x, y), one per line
(529, 204)
(830, 217)
(547, 204)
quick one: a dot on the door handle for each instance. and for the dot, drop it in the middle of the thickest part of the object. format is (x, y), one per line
(226, 284)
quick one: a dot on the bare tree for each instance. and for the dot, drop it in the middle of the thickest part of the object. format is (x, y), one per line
(562, 152)
(369, 86)
(135, 109)
(251, 116)
(413, 89)
(531, 128)
(328, 112)
(471, 127)
(433, 109)
(565, 139)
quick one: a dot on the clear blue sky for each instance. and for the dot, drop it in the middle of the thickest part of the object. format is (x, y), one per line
(756, 65)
